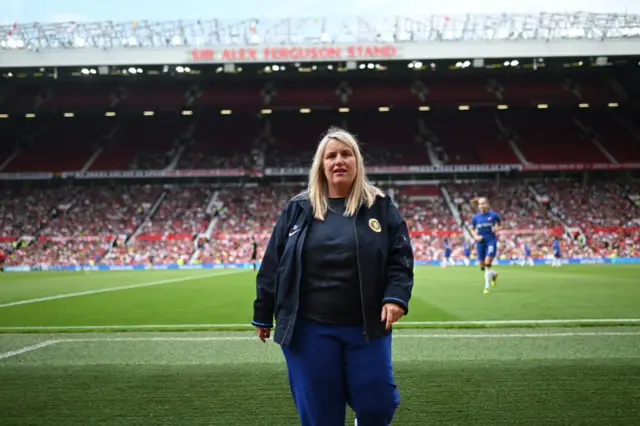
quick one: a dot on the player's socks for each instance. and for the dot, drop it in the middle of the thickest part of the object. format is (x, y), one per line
(487, 278)
(494, 278)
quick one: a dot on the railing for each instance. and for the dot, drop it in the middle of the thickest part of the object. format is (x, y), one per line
(204, 32)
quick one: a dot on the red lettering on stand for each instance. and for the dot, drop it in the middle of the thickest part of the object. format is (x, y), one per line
(202, 54)
(387, 51)
(241, 54)
(293, 53)
(284, 53)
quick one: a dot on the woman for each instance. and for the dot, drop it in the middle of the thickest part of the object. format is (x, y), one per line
(336, 274)
(484, 227)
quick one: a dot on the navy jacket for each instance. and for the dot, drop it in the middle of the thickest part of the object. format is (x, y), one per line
(385, 265)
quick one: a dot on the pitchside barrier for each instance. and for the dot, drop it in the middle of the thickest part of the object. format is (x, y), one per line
(569, 261)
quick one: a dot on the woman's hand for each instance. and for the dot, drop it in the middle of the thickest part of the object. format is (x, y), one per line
(391, 313)
(263, 333)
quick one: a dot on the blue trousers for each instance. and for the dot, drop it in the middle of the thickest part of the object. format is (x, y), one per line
(331, 366)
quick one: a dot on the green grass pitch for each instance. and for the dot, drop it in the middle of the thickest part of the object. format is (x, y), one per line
(58, 365)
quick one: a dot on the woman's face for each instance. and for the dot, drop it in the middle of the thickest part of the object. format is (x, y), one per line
(339, 166)
(483, 205)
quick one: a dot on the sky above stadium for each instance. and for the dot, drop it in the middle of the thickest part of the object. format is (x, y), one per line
(12, 11)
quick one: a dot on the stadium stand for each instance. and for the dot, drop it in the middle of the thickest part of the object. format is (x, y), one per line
(242, 126)
(515, 202)
(593, 205)
(76, 225)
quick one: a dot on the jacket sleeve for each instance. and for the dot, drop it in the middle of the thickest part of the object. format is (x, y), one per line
(263, 306)
(400, 261)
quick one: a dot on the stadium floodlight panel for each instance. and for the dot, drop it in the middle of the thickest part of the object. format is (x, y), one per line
(343, 109)
(583, 105)
(424, 108)
(68, 114)
(612, 104)
(148, 113)
(30, 115)
(266, 111)
(305, 110)
(110, 114)
(503, 107)
(297, 31)
(226, 112)
(383, 109)
(463, 107)
(187, 112)
(4, 115)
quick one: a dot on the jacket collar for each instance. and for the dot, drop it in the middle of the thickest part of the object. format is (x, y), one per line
(303, 201)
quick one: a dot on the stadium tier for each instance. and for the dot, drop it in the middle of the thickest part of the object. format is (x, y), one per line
(426, 124)
(289, 138)
(429, 118)
(216, 224)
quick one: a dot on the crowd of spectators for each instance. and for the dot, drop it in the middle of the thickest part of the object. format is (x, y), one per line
(103, 211)
(183, 211)
(143, 251)
(59, 252)
(25, 211)
(593, 205)
(513, 201)
(72, 226)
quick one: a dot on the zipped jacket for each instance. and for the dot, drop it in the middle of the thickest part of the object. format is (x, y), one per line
(385, 266)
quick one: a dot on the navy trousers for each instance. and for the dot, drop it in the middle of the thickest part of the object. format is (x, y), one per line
(331, 366)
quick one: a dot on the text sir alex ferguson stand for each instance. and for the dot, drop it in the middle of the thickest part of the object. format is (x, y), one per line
(337, 273)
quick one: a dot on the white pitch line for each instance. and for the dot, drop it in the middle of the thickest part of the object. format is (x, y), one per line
(160, 339)
(503, 335)
(29, 348)
(525, 322)
(46, 343)
(248, 325)
(395, 336)
(109, 289)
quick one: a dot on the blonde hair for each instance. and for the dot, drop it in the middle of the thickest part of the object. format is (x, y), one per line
(362, 191)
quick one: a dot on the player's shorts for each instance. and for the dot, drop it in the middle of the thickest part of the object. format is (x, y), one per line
(447, 253)
(487, 249)
(557, 255)
(527, 254)
(467, 253)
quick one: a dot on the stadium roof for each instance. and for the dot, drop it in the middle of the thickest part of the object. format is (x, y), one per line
(319, 39)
